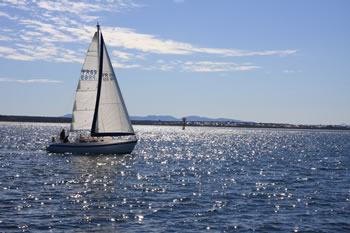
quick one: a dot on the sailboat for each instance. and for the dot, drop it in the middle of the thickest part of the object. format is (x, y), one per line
(99, 108)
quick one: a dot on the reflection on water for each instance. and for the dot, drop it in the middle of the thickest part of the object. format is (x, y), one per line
(215, 179)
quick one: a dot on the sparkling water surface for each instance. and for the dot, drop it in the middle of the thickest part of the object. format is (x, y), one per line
(196, 180)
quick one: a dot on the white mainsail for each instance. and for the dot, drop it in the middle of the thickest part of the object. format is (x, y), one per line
(85, 97)
(99, 105)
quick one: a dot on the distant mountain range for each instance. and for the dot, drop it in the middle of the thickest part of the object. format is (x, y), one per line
(171, 118)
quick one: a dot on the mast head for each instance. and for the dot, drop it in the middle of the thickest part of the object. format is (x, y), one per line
(98, 26)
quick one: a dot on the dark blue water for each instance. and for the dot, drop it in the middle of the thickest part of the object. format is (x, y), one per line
(197, 180)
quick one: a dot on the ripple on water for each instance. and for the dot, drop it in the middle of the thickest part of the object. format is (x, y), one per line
(215, 179)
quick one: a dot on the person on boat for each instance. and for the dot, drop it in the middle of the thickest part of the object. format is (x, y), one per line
(62, 135)
(66, 140)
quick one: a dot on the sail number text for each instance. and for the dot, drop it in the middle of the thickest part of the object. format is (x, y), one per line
(91, 75)
(88, 75)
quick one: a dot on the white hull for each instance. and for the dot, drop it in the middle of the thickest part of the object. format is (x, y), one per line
(119, 147)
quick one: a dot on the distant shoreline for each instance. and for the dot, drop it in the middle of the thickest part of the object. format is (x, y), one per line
(35, 119)
(41, 119)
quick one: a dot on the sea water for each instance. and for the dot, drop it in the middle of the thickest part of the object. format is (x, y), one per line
(194, 180)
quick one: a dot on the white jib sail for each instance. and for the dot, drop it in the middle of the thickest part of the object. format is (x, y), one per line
(112, 115)
(85, 97)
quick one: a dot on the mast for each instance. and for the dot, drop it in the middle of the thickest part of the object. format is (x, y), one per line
(98, 36)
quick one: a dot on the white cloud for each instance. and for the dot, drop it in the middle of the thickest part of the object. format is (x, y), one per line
(242, 53)
(15, 2)
(11, 53)
(129, 39)
(29, 80)
(53, 33)
(19, 4)
(5, 38)
(122, 55)
(124, 66)
(166, 67)
(6, 50)
(209, 66)
(67, 55)
(191, 66)
(82, 9)
(57, 31)
(291, 71)
(3, 14)
(20, 57)
(69, 6)
(46, 51)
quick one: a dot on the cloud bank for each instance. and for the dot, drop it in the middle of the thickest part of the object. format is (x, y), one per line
(61, 30)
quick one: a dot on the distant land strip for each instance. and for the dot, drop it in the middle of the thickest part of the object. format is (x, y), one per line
(35, 119)
(180, 123)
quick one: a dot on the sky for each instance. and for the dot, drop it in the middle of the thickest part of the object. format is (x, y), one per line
(272, 61)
